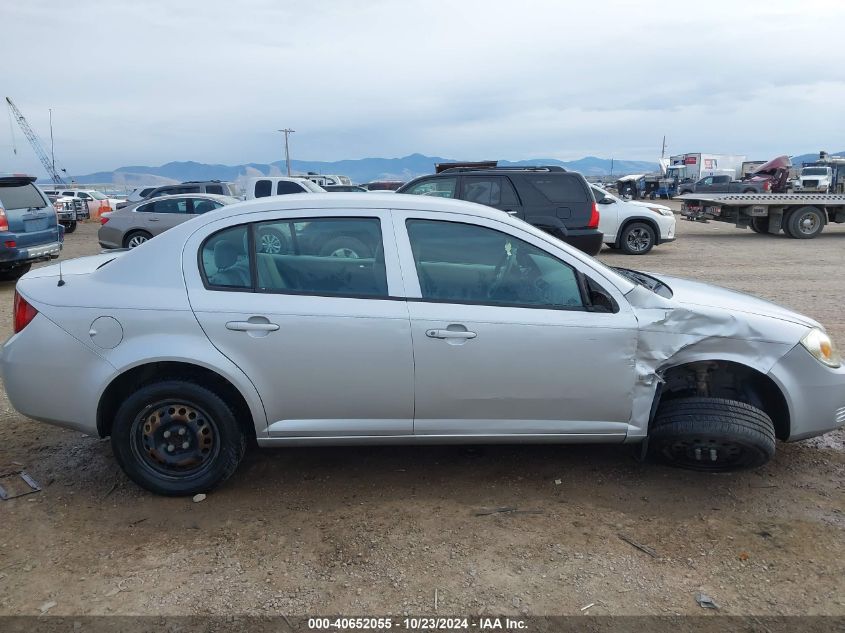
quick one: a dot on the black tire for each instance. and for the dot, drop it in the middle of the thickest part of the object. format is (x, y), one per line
(136, 238)
(637, 238)
(614, 247)
(759, 225)
(804, 223)
(685, 431)
(70, 228)
(271, 241)
(346, 246)
(749, 190)
(13, 274)
(148, 422)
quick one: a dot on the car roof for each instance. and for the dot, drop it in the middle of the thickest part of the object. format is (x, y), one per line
(228, 200)
(351, 200)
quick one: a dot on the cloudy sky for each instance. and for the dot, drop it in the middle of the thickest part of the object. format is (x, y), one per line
(148, 81)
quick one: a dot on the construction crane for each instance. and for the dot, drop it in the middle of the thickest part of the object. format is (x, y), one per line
(36, 144)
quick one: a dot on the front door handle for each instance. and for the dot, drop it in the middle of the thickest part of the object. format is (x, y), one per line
(249, 326)
(450, 334)
(152, 219)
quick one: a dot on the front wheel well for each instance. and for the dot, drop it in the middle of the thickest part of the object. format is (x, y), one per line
(730, 380)
(630, 221)
(131, 380)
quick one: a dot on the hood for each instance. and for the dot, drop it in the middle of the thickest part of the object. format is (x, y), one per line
(781, 162)
(648, 204)
(78, 266)
(695, 293)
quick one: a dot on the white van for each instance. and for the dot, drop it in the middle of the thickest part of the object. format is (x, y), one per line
(265, 186)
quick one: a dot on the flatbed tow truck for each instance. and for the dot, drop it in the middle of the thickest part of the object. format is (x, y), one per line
(800, 216)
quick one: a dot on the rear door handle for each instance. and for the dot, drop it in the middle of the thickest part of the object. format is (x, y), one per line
(248, 326)
(447, 334)
(152, 219)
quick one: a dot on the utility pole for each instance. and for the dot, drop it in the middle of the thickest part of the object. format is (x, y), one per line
(287, 132)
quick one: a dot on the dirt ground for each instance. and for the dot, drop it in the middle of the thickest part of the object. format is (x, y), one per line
(380, 530)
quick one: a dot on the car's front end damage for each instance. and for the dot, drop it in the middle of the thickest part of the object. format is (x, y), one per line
(704, 341)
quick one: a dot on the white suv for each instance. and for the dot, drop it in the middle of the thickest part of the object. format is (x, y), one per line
(631, 226)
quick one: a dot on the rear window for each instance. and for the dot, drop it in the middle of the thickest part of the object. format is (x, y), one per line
(21, 197)
(214, 189)
(559, 188)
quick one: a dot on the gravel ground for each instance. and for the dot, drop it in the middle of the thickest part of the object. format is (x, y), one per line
(379, 530)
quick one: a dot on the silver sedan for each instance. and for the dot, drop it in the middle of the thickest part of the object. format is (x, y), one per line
(402, 319)
(136, 223)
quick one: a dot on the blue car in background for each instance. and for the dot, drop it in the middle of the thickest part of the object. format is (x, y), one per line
(29, 228)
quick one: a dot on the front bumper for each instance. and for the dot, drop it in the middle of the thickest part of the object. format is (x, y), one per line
(815, 393)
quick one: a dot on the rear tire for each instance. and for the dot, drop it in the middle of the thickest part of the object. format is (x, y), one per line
(804, 223)
(135, 239)
(70, 228)
(177, 438)
(712, 434)
(13, 274)
(759, 225)
(346, 246)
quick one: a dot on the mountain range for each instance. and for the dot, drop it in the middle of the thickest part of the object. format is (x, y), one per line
(359, 170)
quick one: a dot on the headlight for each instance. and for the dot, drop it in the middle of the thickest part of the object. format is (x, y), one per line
(818, 343)
(661, 211)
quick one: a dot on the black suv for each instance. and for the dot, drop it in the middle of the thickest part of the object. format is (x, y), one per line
(558, 201)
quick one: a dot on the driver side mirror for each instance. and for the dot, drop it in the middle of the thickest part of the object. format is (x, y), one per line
(607, 200)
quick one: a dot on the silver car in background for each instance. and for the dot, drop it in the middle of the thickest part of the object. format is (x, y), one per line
(452, 322)
(135, 223)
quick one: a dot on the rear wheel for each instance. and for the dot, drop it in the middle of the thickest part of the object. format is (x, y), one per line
(13, 274)
(760, 225)
(177, 438)
(135, 239)
(70, 227)
(345, 246)
(712, 434)
(804, 223)
(637, 238)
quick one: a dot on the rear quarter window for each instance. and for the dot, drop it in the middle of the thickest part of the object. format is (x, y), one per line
(558, 188)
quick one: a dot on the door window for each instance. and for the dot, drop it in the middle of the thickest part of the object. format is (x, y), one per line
(225, 262)
(323, 256)
(170, 205)
(204, 206)
(465, 263)
(285, 187)
(482, 190)
(438, 187)
(263, 188)
(218, 189)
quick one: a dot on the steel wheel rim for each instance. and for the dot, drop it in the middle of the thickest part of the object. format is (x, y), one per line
(638, 240)
(344, 252)
(271, 244)
(137, 240)
(706, 453)
(174, 439)
(808, 223)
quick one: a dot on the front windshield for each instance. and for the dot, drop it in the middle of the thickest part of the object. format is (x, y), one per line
(646, 281)
(814, 171)
(313, 186)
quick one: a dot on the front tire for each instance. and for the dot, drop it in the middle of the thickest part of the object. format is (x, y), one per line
(712, 434)
(637, 238)
(70, 227)
(177, 438)
(13, 274)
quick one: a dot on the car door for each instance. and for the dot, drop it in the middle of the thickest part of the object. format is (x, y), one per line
(504, 343)
(704, 185)
(325, 340)
(165, 213)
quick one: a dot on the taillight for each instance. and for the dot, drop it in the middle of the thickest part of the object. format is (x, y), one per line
(4, 221)
(594, 217)
(767, 185)
(23, 313)
(104, 219)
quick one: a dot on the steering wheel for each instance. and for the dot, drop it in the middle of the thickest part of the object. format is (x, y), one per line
(503, 270)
